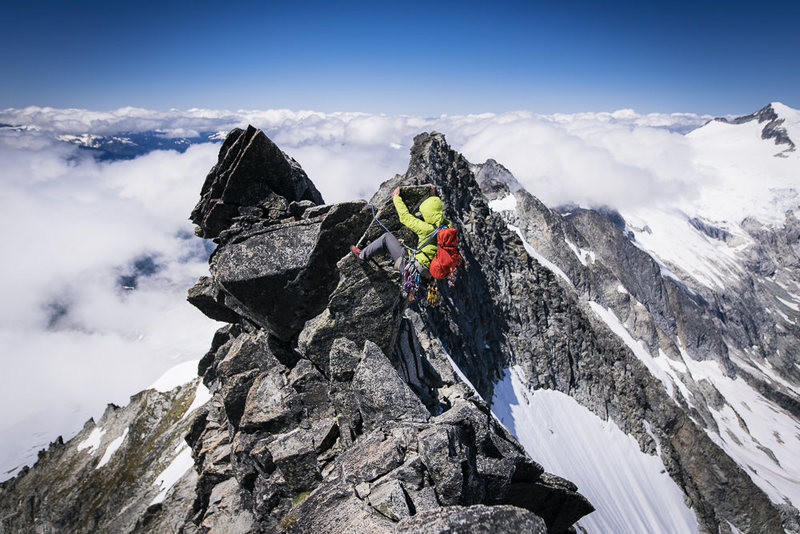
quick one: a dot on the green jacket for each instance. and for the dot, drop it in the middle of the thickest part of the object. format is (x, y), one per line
(433, 215)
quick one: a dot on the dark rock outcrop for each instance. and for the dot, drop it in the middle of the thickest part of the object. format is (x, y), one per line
(252, 178)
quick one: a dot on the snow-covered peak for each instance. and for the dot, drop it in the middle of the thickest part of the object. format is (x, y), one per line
(747, 180)
(791, 119)
(776, 122)
(785, 111)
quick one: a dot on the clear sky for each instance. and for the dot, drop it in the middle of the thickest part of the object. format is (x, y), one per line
(425, 58)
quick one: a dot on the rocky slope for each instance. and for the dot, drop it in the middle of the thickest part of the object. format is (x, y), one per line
(115, 474)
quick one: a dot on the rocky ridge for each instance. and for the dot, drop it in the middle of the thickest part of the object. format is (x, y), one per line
(301, 383)
(334, 407)
(115, 475)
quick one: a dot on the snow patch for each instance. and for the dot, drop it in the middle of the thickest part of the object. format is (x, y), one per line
(457, 370)
(765, 368)
(176, 376)
(650, 433)
(86, 139)
(173, 472)
(508, 203)
(201, 396)
(630, 489)
(785, 317)
(111, 449)
(765, 448)
(790, 305)
(637, 347)
(92, 442)
(584, 256)
(672, 241)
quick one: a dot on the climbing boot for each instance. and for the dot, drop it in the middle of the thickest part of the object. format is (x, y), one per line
(356, 252)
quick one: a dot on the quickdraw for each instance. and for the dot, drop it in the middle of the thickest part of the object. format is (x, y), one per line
(411, 280)
(412, 285)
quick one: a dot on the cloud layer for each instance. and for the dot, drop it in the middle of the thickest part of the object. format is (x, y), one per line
(77, 233)
(99, 255)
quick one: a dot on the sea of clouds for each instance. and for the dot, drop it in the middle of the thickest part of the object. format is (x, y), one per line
(98, 255)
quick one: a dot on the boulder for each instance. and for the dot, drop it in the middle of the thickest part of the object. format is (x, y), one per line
(375, 381)
(477, 519)
(336, 509)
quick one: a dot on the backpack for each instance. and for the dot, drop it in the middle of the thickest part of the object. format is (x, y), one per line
(447, 258)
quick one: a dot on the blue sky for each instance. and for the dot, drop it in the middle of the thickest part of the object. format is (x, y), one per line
(403, 58)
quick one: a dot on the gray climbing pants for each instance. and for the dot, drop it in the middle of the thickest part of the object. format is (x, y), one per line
(389, 243)
(386, 243)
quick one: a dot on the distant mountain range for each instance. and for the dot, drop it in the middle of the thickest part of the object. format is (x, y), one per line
(128, 145)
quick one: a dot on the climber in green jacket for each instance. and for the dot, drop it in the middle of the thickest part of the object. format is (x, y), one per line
(432, 218)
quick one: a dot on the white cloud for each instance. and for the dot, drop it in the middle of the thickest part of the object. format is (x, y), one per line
(585, 160)
(70, 121)
(73, 339)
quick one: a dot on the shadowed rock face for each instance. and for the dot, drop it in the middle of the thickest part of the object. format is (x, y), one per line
(666, 316)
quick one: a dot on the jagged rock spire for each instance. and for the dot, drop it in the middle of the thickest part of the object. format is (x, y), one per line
(252, 176)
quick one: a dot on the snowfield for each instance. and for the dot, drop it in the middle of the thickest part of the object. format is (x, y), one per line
(631, 491)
